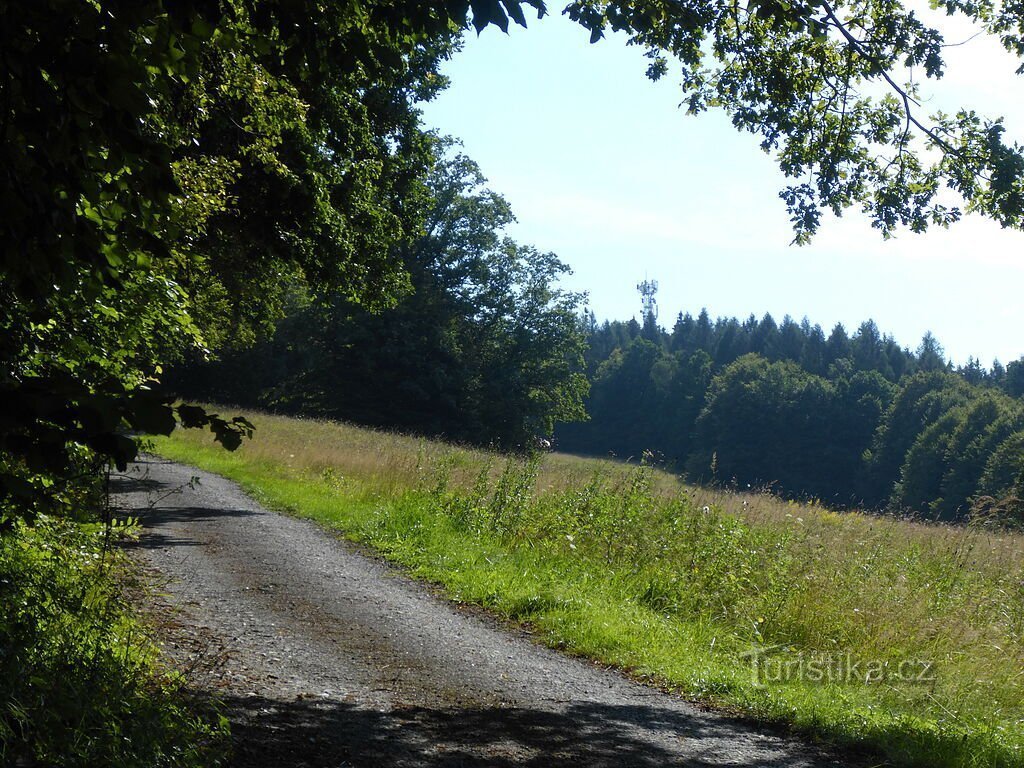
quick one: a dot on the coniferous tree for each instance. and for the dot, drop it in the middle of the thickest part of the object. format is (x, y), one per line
(791, 340)
(1013, 380)
(815, 350)
(765, 337)
(893, 439)
(683, 333)
(930, 355)
(731, 343)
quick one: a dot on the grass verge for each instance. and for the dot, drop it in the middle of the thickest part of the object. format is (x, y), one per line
(80, 682)
(901, 639)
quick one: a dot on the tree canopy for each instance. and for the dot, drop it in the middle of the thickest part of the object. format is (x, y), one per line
(802, 76)
(171, 167)
(174, 168)
(485, 349)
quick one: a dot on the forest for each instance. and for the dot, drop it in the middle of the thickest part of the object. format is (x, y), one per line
(854, 420)
(488, 350)
(191, 181)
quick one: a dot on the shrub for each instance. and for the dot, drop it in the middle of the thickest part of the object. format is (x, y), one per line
(79, 683)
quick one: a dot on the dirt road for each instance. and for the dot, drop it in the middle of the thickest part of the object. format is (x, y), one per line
(327, 657)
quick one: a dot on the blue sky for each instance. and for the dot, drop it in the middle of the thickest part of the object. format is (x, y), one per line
(602, 167)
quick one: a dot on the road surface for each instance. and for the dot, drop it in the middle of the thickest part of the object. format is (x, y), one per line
(325, 656)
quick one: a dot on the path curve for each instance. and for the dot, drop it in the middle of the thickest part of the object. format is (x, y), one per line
(327, 657)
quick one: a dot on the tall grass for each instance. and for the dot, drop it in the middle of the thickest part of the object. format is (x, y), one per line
(900, 637)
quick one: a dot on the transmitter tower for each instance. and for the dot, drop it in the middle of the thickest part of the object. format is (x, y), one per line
(647, 290)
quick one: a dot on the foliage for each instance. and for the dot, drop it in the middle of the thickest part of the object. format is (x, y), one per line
(174, 167)
(796, 74)
(167, 164)
(680, 585)
(770, 423)
(853, 420)
(486, 348)
(78, 681)
(942, 471)
(176, 172)
(56, 433)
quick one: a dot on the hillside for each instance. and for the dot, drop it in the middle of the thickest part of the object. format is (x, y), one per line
(854, 420)
(897, 637)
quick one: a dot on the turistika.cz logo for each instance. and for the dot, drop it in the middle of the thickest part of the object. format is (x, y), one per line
(775, 664)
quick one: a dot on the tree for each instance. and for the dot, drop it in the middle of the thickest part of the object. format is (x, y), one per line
(930, 355)
(683, 338)
(764, 340)
(161, 161)
(938, 443)
(703, 332)
(1003, 478)
(866, 348)
(791, 340)
(651, 330)
(625, 396)
(813, 356)
(921, 401)
(943, 470)
(1013, 382)
(837, 347)
(732, 343)
(485, 348)
(795, 73)
(972, 372)
(973, 449)
(189, 151)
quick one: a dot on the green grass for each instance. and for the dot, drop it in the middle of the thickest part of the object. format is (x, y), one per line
(846, 613)
(80, 680)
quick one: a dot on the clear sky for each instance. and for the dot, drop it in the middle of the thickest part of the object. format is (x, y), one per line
(602, 167)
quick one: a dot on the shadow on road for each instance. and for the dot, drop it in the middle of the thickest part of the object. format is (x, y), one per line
(152, 502)
(312, 732)
(156, 519)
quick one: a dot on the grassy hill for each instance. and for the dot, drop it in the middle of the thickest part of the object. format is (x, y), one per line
(902, 638)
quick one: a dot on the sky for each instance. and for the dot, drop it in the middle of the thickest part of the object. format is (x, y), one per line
(604, 168)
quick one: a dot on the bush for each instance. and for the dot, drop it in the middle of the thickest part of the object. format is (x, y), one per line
(79, 684)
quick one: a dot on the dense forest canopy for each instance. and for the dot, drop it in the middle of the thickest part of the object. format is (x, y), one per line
(181, 174)
(485, 348)
(855, 420)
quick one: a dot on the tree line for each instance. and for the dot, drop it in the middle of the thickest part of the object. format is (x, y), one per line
(855, 420)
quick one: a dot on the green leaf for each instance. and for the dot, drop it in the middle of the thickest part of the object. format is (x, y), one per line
(516, 12)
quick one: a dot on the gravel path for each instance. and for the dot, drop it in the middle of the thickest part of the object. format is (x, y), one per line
(327, 657)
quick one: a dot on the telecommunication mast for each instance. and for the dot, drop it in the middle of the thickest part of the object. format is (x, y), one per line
(647, 290)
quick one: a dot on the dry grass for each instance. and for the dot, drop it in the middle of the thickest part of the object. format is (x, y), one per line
(390, 461)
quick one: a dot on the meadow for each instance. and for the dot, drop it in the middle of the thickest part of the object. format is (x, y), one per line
(899, 639)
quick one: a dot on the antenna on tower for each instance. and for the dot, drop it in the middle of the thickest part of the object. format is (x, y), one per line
(647, 290)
